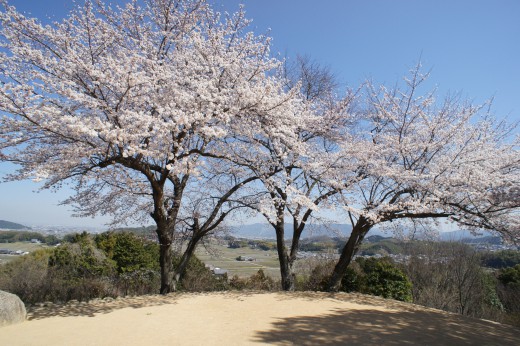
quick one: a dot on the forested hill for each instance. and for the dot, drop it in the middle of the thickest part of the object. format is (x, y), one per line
(11, 225)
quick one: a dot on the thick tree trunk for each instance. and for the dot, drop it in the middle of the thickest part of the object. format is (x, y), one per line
(359, 231)
(165, 256)
(286, 270)
(165, 259)
(287, 274)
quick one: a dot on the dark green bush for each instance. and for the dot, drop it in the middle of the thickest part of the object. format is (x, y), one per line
(373, 276)
(130, 252)
(501, 259)
(136, 261)
(510, 276)
(353, 279)
(509, 292)
(381, 277)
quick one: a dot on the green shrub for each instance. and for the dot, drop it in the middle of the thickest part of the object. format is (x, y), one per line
(381, 277)
(353, 281)
(198, 278)
(130, 252)
(258, 282)
(319, 276)
(80, 260)
(510, 276)
(136, 261)
(26, 277)
(501, 259)
(509, 292)
(370, 276)
(79, 271)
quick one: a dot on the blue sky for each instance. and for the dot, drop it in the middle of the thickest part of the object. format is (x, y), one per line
(471, 46)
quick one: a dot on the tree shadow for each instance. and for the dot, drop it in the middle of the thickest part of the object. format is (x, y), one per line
(104, 306)
(353, 298)
(96, 306)
(375, 327)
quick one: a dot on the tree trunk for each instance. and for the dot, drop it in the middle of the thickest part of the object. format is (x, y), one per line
(165, 256)
(286, 270)
(180, 271)
(359, 231)
(165, 259)
(287, 274)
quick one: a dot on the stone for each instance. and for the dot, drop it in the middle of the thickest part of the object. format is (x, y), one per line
(12, 309)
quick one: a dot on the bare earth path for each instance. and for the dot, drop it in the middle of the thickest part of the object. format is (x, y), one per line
(242, 318)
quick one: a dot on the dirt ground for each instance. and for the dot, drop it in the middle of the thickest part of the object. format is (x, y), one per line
(247, 318)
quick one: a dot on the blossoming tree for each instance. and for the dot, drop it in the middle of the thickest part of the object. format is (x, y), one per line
(125, 104)
(410, 157)
(289, 159)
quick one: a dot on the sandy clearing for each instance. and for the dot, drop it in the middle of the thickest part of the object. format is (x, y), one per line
(245, 318)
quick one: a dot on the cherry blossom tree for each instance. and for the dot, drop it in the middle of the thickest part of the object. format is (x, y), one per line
(289, 164)
(125, 104)
(410, 157)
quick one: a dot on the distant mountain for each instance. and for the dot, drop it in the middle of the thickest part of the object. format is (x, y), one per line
(144, 230)
(11, 225)
(253, 231)
(491, 240)
(265, 231)
(375, 238)
(461, 235)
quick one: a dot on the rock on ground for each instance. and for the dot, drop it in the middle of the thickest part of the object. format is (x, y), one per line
(12, 309)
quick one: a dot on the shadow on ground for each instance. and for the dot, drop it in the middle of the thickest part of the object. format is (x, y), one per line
(107, 305)
(374, 327)
(365, 324)
(95, 307)
(356, 298)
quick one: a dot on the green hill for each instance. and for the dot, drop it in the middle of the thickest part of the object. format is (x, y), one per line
(11, 225)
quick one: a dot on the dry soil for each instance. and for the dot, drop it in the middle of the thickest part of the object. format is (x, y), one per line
(247, 318)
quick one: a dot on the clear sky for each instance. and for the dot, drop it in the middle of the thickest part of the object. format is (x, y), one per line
(471, 46)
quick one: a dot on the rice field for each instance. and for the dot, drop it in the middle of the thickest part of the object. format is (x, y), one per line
(22, 246)
(223, 257)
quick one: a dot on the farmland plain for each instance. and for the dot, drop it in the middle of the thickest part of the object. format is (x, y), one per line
(219, 255)
(22, 246)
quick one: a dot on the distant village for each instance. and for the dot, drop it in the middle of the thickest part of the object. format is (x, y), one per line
(484, 244)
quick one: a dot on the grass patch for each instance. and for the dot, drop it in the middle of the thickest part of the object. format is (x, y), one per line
(22, 246)
(223, 257)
